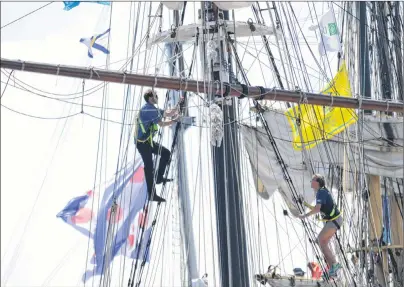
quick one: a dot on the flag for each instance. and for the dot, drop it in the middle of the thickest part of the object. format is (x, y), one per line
(329, 35)
(71, 4)
(77, 214)
(129, 194)
(319, 123)
(91, 43)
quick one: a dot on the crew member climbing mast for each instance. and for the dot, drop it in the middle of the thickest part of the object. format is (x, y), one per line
(150, 117)
(331, 217)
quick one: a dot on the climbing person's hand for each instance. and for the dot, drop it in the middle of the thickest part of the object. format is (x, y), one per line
(301, 216)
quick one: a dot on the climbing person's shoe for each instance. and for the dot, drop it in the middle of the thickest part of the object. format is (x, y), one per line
(334, 269)
(156, 198)
(163, 180)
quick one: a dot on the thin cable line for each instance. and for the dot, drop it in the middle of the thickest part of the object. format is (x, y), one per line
(37, 117)
(26, 15)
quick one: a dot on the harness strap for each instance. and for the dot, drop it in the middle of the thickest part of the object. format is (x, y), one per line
(331, 219)
(332, 213)
(152, 129)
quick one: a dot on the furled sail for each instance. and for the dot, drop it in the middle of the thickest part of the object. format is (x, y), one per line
(380, 158)
(319, 131)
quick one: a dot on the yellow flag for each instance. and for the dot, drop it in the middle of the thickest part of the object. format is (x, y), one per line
(320, 123)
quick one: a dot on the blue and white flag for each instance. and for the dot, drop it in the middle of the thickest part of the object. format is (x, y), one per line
(71, 4)
(91, 43)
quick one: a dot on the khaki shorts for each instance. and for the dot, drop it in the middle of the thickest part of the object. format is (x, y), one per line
(335, 224)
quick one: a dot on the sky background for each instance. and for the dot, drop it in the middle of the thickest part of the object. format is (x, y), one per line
(45, 163)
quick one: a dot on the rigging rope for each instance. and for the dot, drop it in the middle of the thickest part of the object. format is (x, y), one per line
(146, 209)
(20, 18)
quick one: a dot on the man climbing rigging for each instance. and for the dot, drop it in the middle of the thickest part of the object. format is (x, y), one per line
(331, 216)
(150, 117)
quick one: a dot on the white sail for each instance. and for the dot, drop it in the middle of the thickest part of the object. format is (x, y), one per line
(380, 159)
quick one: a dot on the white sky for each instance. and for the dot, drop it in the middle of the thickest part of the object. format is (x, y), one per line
(45, 163)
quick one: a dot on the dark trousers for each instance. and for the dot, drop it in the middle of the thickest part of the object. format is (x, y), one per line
(146, 151)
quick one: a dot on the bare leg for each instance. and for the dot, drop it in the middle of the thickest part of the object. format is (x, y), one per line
(323, 239)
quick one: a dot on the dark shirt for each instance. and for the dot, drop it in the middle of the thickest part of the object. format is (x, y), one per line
(324, 198)
(148, 115)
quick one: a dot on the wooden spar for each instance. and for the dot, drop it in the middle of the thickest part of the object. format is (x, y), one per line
(200, 87)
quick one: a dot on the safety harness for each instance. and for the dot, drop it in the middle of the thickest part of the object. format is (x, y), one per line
(332, 216)
(153, 129)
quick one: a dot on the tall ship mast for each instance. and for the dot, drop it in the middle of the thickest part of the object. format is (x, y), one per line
(269, 93)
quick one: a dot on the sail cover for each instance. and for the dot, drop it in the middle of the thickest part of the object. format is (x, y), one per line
(382, 144)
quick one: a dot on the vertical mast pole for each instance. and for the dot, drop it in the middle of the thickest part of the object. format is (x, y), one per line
(188, 249)
(228, 195)
(364, 92)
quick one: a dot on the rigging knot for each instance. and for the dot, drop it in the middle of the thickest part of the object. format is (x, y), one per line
(388, 106)
(92, 71)
(155, 82)
(360, 102)
(22, 65)
(182, 80)
(332, 100)
(303, 96)
(124, 77)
